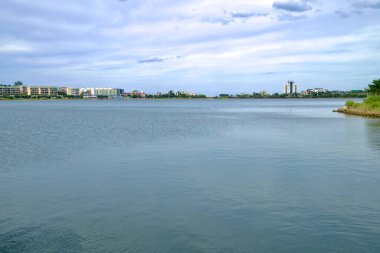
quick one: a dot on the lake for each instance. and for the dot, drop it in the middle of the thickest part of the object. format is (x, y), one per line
(263, 175)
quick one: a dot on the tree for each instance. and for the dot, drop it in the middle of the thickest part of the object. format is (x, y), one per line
(171, 94)
(18, 83)
(374, 88)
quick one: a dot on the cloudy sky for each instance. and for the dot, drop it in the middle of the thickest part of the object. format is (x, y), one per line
(206, 46)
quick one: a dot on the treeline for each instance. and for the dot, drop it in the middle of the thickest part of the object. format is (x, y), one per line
(170, 94)
(167, 96)
(297, 95)
(18, 83)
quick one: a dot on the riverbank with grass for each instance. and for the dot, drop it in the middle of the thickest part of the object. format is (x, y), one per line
(369, 108)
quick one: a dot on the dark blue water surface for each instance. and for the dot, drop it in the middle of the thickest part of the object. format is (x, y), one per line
(188, 176)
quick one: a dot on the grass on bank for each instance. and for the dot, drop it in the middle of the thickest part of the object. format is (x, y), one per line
(371, 103)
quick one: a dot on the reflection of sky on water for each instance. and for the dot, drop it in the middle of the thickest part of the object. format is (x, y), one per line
(315, 108)
(188, 176)
(373, 134)
(30, 238)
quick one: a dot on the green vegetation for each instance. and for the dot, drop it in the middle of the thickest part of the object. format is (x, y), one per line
(327, 94)
(175, 95)
(371, 103)
(338, 94)
(351, 104)
(374, 88)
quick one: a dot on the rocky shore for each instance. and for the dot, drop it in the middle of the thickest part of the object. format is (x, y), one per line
(352, 111)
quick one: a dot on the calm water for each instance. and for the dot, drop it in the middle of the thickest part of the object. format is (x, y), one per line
(188, 176)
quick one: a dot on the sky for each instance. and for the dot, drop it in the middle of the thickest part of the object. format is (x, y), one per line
(203, 46)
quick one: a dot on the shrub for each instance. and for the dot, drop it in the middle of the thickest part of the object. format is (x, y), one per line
(372, 100)
(350, 103)
(372, 103)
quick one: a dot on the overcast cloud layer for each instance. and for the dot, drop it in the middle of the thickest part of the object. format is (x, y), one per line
(207, 46)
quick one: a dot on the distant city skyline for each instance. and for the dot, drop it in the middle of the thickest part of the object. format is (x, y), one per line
(209, 46)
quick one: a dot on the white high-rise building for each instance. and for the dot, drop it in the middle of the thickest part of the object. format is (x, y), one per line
(290, 87)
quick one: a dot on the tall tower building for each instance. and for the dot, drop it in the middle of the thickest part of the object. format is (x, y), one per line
(290, 87)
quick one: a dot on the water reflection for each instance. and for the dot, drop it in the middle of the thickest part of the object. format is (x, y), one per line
(188, 176)
(373, 134)
(35, 238)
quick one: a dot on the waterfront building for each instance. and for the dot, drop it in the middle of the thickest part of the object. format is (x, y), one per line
(95, 92)
(70, 91)
(316, 90)
(41, 91)
(138, 94)
(47, 91)
(74, 92)
(26, 90)
(18, 90)
(110, 92)
(35, 90)
(87, 92)
(290, 87)
(11, 90)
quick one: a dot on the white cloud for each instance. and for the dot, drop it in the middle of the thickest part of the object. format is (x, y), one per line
(222, 40)
(15, 48)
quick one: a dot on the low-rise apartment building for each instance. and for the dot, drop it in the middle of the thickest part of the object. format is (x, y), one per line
(18, 90)
(69, 91)
(41, 91)
(95, 92)
(11, 90)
